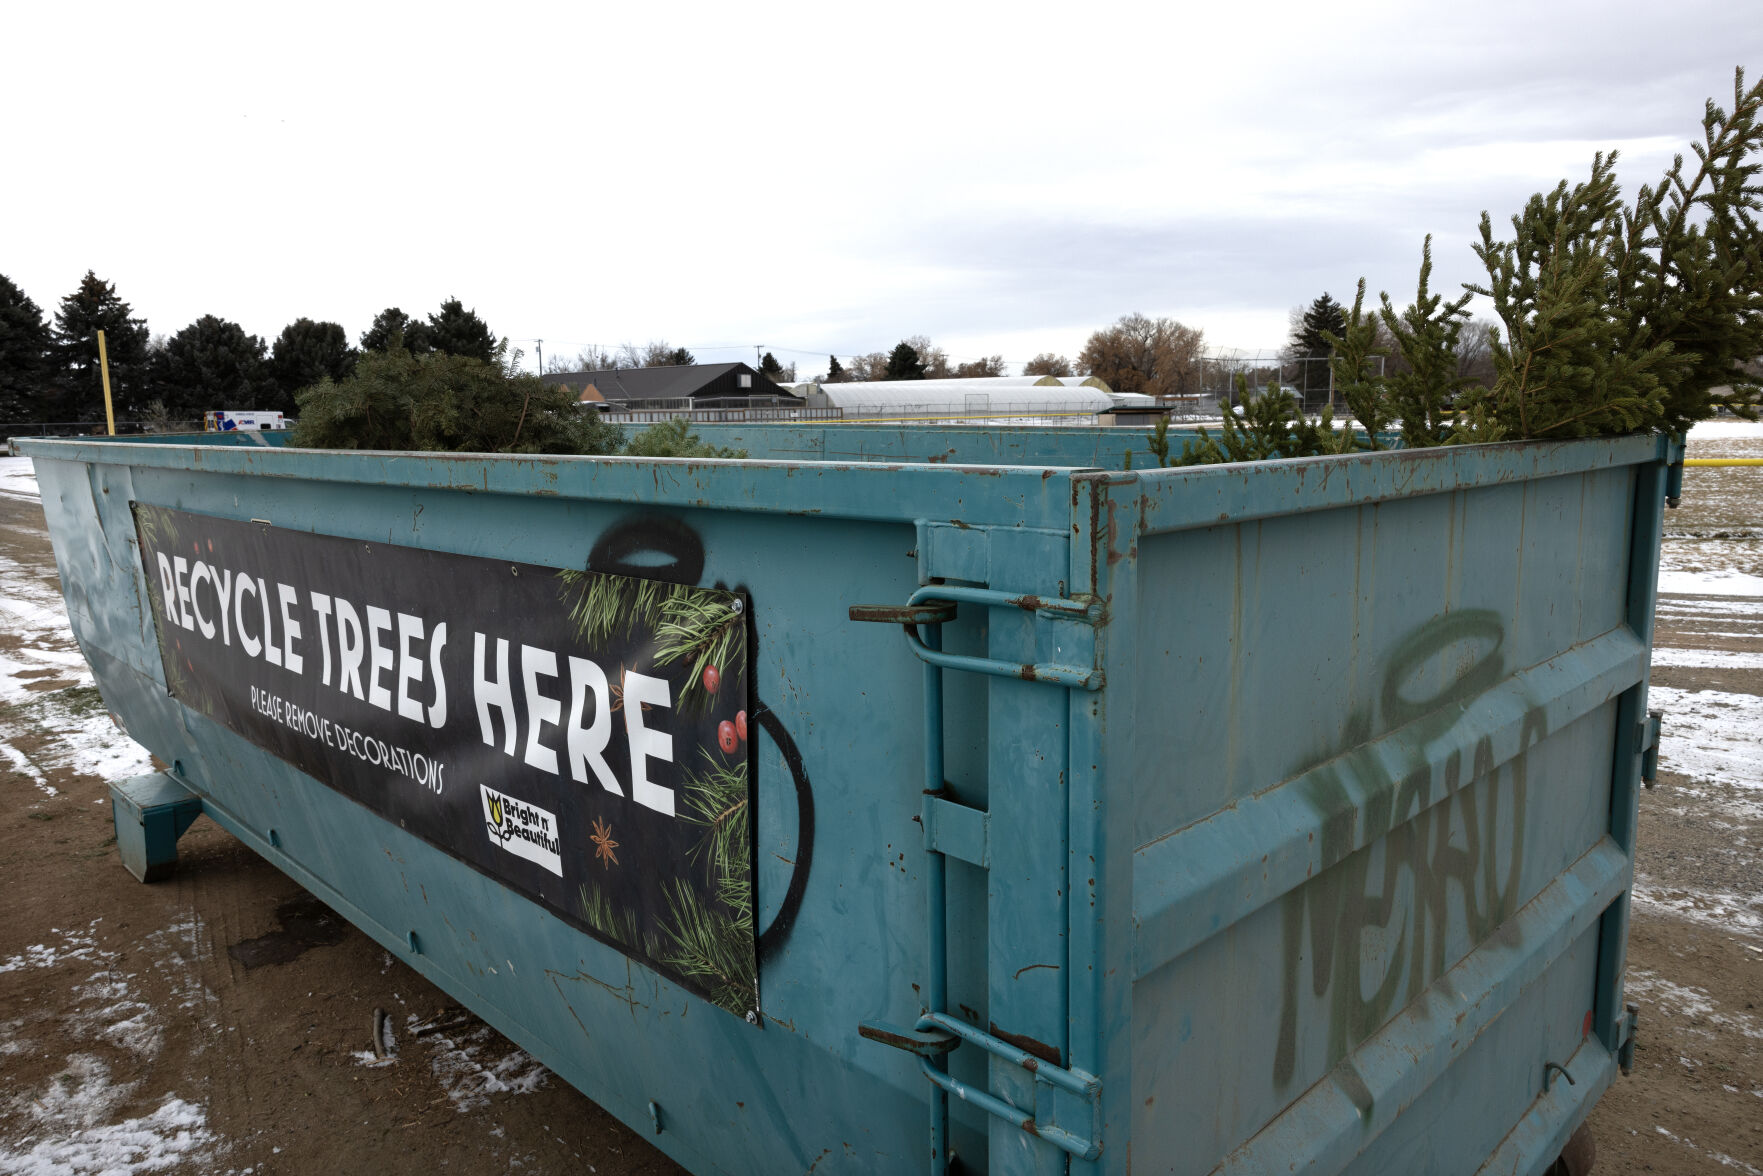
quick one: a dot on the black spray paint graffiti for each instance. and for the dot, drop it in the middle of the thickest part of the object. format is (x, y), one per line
(661, 547)
(1430, 853)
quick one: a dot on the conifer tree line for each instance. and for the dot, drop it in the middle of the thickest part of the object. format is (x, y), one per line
(49, 368)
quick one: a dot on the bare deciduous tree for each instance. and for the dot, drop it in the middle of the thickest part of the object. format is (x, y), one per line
(873, 366)
(934, 358)
(1158, 357)
(1475, 353)
(1047, 364)
(991, 365)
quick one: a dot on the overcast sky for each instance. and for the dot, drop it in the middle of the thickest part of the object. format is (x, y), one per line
(1004, 178)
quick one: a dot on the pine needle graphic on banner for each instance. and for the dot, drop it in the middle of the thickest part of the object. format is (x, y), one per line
(713, 941)
(700, 627)
(693, 625)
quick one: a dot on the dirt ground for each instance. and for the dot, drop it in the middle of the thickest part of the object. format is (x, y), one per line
(224, 1021)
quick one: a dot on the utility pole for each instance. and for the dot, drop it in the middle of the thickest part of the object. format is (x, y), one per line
(757, 347)
(541, 344)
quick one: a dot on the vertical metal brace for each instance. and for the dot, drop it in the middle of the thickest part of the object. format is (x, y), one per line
(956, 830)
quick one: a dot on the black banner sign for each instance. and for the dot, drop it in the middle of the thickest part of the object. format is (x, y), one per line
(580, 737)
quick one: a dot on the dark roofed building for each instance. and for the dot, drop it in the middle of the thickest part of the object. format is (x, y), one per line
(703, 381)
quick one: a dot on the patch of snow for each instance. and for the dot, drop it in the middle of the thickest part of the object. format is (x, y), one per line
(460, 1066)
(175, 1134)
(1718, 1157)
(1723, 430)
(1711, 735)
(1714, 582)
(72, 1124)
(75, 945)
(1743, 609)
(1708, 659)
(1727, 912)
(366, 1057)
(18, 479)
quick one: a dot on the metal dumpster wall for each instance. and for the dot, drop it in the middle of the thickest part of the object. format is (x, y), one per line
(1100, 447)
(805, 543)
(1380, 776)
(1150, 872)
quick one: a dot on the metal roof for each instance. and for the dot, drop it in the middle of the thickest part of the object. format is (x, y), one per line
(651, 383)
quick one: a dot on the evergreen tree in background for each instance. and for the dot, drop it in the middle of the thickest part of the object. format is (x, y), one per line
(392, 322)
(305, 353)
(663, 354)
(835, 371)
(24, 357)
(904, 364)
(1309, 345)
(449, 403)
(92, 308)
(459, 331)
(770, 368)
(212, 364)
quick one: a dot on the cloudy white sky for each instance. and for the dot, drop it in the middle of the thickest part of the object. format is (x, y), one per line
(1001, 177)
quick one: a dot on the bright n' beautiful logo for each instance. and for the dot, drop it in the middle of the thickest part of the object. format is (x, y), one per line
(524, 830)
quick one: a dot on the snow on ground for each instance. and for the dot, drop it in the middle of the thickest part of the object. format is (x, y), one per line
(463, 1069)
(18, 479)
(1709, 659)
(1690, 1003)
(44, 677)
(1711, 735)
(76, 1123)
(1719, 909)
(1725, 431)
(1709, 582)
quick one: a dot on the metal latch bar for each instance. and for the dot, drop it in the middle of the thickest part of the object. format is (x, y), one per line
(926, 1041)
(1052, 607)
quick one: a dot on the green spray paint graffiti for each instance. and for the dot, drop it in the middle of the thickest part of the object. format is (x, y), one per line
(1379, 917)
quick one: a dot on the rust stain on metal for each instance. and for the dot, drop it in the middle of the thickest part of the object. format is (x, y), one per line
(1028, 1045)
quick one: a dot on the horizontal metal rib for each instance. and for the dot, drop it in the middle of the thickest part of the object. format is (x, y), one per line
(1192, 884)
(1331, 1124)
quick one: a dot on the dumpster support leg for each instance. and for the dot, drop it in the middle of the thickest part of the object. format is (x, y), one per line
(151, 812)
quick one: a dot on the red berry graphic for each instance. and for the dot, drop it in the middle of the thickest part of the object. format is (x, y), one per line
(741, 725)
(712, 679)
(725, 737)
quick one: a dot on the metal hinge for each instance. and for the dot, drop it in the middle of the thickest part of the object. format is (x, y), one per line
(1674, 471)
(1055, 1087)
(923, 609)
(1649, 745)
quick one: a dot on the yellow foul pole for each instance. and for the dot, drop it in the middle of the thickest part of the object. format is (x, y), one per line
(104, 367)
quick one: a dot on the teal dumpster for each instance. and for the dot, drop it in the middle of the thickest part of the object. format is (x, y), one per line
(889, 814)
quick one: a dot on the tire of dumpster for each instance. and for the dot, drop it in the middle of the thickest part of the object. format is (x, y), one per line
(1577, 1158)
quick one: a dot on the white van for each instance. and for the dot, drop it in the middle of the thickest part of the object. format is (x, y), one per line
(227, 421)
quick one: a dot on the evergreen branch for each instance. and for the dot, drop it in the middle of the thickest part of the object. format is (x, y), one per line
(716, 950)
